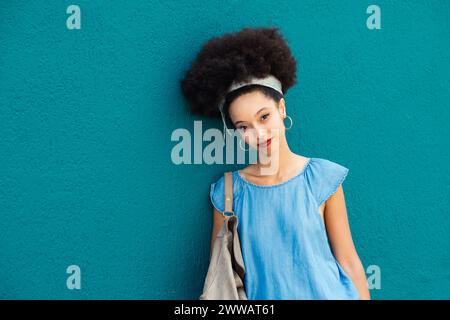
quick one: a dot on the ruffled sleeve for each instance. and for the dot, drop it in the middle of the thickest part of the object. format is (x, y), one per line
(324, 177)
(216, 194)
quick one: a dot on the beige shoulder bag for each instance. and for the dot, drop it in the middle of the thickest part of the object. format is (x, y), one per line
(225, 276)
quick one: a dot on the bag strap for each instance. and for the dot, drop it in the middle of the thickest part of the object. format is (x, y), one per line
(228, 193)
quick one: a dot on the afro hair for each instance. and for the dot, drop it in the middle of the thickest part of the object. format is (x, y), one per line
(236, 56)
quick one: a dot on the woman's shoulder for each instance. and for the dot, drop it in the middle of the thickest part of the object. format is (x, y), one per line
(217, 190)
(251, 169)
(220, 180)
(324, 176)
(324, 164)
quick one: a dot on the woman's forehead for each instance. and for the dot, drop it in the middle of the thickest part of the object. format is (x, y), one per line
(250, 104)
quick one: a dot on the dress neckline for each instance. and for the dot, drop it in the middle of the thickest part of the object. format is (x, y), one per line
(277, 184)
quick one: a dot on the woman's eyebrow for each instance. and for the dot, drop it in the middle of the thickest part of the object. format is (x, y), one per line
(260, 110)
(255, 115)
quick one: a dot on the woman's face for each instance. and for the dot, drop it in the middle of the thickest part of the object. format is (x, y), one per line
(259, 120)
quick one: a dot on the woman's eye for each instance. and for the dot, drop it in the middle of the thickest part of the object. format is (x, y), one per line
(242, 128)
(264, 117)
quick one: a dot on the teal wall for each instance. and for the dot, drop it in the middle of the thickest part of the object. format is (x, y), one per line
(86, 176)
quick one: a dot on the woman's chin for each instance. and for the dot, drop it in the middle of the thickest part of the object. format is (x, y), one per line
(269, 150)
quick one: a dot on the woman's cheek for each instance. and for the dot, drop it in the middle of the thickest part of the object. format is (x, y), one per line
(251, 140)
(246, 137)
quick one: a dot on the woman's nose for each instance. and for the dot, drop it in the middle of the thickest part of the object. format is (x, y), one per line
(261, 133)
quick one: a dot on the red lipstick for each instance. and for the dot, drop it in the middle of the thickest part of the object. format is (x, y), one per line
(266, 143)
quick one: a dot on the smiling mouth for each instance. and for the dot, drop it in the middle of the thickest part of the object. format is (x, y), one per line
(266, 143)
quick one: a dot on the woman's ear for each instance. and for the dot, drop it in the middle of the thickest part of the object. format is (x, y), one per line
(282, 107)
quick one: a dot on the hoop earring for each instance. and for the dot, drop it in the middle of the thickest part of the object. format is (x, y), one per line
(292, 122)
(240, 146)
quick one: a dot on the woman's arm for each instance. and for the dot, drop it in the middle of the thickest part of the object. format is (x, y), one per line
(341, 241)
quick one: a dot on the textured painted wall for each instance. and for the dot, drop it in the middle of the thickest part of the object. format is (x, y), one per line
(86, 176)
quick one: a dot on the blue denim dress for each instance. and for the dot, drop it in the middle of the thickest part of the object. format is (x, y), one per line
(283, 237)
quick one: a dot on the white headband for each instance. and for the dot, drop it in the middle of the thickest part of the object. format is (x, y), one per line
(268, 81)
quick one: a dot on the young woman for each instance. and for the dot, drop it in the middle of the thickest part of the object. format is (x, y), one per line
(293, 226)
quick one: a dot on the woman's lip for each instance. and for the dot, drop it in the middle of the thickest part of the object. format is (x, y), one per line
(267, 142)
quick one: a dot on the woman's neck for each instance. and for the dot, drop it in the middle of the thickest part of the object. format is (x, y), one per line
(280, 164)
